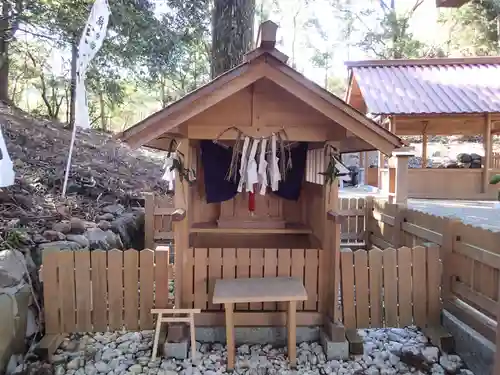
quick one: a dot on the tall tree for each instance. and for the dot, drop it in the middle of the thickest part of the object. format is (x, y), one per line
(390, 36)
(232, 33)
(14, 13)
(179, 61)
(127, 41)
(473, 29)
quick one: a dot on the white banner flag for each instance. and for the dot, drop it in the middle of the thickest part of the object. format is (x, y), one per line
(6, 167)
(90, 43)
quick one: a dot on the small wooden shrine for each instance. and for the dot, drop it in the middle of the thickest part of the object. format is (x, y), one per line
(253, 151)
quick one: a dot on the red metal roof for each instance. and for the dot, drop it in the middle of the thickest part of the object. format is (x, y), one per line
(439, 86)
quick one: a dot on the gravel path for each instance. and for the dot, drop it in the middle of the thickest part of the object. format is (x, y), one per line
(478, 213)
(386, 352)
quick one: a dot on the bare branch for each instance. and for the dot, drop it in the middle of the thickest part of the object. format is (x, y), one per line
(38, 35)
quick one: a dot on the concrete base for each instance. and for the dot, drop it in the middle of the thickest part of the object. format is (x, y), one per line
(177, 350)
(256, 335)
(477, 352)
(334, 350)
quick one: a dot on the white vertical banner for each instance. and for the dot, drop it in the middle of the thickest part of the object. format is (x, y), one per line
(91, 41)
(7, 175)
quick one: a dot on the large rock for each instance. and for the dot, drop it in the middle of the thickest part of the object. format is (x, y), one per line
(130, 227)
(77, 225)
(103, 240)
(60, 245)
(63, 227)
(12, 269)
(115, 209)
(79, 239)
(53, 235)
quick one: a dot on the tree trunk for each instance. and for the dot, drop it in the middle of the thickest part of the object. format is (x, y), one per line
(232, 33)
(72, 100)
(103, 111)
(5, 37)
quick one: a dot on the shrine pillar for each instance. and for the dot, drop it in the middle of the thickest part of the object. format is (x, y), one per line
(181, 228)
(401, 187)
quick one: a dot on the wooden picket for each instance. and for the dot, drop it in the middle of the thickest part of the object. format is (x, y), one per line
(353, 227)
(470, 261)
(390, 288)
(96, 291)
(205, 265)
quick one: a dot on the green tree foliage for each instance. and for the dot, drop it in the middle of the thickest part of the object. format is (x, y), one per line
(178, 61)
(15, 16)
(384, 32)
(129, 19)
(473, 28)
(149, 55)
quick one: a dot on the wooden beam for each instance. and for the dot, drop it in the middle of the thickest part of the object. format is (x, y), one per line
(170, 119)
(323, 102)
(354, 144)
(48, 345)
(426, 61)
(497, 352)
(304, 133)
(181, 228)
(424, 144)
(445, 124)
(401, 188)
(487, 153)
(450, 3)
(257, 319)
(184, 102)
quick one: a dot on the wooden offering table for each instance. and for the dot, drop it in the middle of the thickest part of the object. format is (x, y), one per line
(267, 289)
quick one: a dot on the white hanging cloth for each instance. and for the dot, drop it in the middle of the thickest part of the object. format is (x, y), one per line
(274, 171)
(243, 164)
(169, 174)
(7, 174)
(251, 172)
(262, 171)
(90, 42)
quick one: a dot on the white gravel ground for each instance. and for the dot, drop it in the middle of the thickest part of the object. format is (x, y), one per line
(482, 214)
(386, 352)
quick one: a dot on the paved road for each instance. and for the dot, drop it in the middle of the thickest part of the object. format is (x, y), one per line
(478, 213)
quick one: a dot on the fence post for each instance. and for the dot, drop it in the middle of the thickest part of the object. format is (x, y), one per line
(497, 352)
(449, 233)
(149, 220)
(368, 220)
(399, 217)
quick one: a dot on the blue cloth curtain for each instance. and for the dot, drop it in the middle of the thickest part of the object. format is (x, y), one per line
(216, 160)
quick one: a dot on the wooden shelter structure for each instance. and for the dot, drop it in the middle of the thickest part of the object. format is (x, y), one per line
(425, 97)
(278, 235)
(450, 3)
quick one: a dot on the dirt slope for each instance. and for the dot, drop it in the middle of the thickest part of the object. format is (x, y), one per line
(104, 171)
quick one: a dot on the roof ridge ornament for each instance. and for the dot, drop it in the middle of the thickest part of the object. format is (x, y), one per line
(266, 36)
(266, 43)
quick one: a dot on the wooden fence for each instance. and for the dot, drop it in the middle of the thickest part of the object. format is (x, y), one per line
(93, 291)
(390, 288)
(157, 220)
(204, 266)
(470, 257)
(495, 160)
(353, 228)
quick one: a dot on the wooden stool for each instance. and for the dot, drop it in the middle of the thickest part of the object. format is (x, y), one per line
(171, 318)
